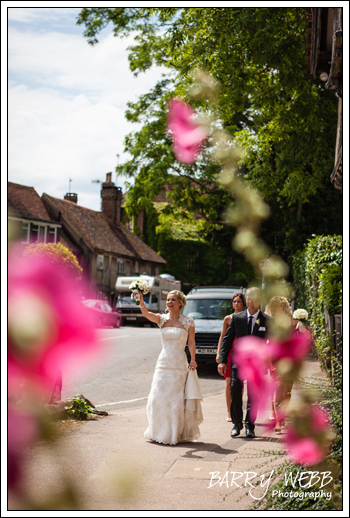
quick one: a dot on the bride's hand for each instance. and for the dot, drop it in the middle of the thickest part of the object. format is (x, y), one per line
(141, 299)
(193, 365)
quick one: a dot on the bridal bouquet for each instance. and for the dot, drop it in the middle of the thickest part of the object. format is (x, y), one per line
(301, 314)
(139, 285)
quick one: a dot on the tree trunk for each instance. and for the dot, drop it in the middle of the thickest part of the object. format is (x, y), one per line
(300, 208)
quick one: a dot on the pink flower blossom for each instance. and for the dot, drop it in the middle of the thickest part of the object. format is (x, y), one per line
(308, 436)
(305, 451)
(319, 419)
(295, 347)
(186, 132)
(48, 327)
(250, 356)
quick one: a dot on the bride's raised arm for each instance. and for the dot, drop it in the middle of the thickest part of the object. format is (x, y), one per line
(153, 317)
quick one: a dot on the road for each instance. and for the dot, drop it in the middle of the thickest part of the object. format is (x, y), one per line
(121, 376)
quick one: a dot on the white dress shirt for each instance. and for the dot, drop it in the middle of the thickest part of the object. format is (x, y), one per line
(255, 317)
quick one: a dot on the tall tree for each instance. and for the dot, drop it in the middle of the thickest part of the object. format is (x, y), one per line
(285, 122)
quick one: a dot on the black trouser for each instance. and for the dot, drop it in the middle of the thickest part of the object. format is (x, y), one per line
(237, 402)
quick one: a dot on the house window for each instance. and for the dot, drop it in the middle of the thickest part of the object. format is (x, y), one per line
(52, 235)
(25, 232)
(38, 233)
(153, 270)
(100, 262)
(136, 267)
(192, 261)
(121, 266)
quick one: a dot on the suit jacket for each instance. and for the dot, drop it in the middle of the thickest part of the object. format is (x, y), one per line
(239, 327)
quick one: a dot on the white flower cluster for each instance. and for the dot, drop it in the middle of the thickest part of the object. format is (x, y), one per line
(140, 285)
(300, 314)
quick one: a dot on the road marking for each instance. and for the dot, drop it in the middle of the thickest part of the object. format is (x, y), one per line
(121, 402)
(146, 397)
(115, 337)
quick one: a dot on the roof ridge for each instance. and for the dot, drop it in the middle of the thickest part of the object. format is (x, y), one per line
(71, 202)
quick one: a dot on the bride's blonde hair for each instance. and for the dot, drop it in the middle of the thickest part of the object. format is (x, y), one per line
(181, 296)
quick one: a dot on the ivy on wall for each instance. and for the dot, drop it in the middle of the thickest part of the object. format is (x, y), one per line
(317, 273)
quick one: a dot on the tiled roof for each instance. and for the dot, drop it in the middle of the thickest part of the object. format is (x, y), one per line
(25, 202)
(98, 234)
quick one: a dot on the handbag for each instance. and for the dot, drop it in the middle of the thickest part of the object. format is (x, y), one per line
(192, 388)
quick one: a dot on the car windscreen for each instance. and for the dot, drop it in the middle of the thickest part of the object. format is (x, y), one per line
(207, 309)
(124, 299)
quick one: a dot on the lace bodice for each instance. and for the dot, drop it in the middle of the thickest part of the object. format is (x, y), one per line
(187, 322)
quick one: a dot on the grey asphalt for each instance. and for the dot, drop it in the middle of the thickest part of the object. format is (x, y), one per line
(115, 469)
(121, 375)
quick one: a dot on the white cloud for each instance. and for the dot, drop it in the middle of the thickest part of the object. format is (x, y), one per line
(66, 110)
(32, 14)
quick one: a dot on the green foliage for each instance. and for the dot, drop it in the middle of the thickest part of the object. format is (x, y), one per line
(191, 248)
(285, 122)
(332, 398)
(331, 288)
(58, 254)
(317, 273)
(78, 409)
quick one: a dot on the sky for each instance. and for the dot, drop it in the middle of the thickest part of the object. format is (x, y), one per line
(66, 102)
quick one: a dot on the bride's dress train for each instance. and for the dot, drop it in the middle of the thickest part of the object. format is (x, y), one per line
(174, 409)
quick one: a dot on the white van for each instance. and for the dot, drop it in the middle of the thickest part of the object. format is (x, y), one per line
(155, 300)
(208, 306)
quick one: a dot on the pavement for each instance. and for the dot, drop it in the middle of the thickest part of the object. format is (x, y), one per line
(114, 468)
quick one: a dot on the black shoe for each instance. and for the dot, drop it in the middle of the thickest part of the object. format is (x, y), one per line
(236, 430)
(249, 433)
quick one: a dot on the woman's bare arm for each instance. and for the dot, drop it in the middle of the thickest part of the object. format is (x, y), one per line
(153, 317)
(223, 332)
(191, 342)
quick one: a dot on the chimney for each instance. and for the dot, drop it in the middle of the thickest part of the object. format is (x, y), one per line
(111, 200)
(71, 196)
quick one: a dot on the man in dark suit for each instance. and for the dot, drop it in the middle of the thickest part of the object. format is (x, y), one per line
(250, 321)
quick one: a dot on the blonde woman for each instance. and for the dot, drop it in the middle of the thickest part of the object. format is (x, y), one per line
(280, 306)
(238, 305)
(173, 414)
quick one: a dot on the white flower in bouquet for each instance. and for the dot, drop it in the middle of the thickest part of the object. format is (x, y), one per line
(300, 314)
(139, 285)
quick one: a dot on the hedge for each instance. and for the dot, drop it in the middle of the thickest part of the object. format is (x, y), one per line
(317, 276)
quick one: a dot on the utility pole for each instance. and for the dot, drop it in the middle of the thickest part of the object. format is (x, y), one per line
(117, 155)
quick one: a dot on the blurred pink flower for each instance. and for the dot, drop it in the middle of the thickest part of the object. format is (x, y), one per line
(22, 429)
(295, 347)
(305, 451)
(319, 419)
(250, 356)
(308, 436)
(186, 132)
(48, 327)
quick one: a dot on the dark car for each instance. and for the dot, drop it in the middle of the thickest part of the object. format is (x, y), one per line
(102, 313)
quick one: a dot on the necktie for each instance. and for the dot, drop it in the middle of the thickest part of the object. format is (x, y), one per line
(250, 325)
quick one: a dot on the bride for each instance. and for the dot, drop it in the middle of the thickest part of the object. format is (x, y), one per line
(174, 403)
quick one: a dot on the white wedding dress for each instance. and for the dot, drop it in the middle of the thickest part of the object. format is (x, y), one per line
(173, 415)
